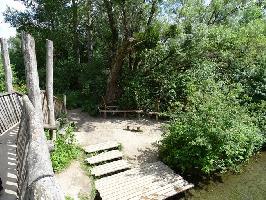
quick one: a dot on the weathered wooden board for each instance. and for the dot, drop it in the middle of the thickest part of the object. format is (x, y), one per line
(150, 181)
(101, 146)
(111, 167)
(105, 156)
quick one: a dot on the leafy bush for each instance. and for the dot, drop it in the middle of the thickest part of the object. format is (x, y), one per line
(258, 110)
(65, 150)
(211, 132)
(19, 86)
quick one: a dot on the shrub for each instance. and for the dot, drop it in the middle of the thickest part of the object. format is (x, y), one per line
(65, 150)
(212, 132)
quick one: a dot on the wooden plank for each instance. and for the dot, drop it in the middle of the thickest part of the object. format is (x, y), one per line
(4, 113)
(151, 181)
(137, 187)
(121, 111)
(117, 181)
(110, 167)
(101, 146)
(16, 105)
(105, 156)
(11, 110)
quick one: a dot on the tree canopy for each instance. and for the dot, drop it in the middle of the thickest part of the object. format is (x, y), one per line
(182, 57)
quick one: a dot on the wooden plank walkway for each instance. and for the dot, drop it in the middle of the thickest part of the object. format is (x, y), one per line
(8, 163)
(151, 181)
(111, 167)
(105, 156)
(101, 146)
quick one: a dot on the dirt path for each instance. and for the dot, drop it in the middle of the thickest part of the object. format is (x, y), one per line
(74, 181)
(138, 147)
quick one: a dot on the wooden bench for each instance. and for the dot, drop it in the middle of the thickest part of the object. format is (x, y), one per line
(154, 113)
(138, 112)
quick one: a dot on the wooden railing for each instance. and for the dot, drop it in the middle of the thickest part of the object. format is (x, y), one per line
(10, 110)
(11, 106)
(59, 107)
(35, 174)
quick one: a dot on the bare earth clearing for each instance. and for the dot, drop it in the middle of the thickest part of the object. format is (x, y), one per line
(138, 147)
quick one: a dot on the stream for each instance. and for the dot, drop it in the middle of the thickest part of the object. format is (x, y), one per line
(249, 184)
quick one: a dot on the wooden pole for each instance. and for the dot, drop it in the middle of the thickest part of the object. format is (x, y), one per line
(7, 67)
(40, 180)
(34, 93)
(49, 85)
(65, 108)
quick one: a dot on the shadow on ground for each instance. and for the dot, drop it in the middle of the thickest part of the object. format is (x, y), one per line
(8, 164)
(85, 122)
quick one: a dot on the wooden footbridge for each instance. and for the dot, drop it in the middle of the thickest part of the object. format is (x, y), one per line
(117, 179)
(25, 165)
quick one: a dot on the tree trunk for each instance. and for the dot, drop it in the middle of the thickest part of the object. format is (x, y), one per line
(113, 90)
(153, 11)
(89, 32)
(125, 20)
(112, 24)
(34, 93)
(75, 31)
(7, 67)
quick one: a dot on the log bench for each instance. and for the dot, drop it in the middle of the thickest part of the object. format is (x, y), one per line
(104, 112)
(156, 114)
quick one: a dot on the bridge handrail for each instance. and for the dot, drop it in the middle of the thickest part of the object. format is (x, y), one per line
(35, 174)
(11, 108)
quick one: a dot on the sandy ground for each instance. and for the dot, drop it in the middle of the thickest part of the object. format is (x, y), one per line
(138, 147)
(74, 181)
(8, 172)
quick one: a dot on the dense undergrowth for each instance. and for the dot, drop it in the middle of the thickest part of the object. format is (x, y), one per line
(204, 65)
(212, 132)
(66, 149)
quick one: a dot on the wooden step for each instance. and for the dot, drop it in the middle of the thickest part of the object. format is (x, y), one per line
(101, 146)
(111, 167)
(105, 156)
(149, 181)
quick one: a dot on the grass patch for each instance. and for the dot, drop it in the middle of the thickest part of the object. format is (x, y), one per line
(69, 198)
(87, 169)
(66, 150)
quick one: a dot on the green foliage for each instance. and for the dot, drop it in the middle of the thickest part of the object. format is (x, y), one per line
(203, 64)
(69, 198)
(18, 85)
(65, 151)
(211, 132)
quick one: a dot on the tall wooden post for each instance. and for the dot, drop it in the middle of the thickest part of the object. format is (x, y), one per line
(34, 93)
(7, 67)
(64, 101)
(49, 85)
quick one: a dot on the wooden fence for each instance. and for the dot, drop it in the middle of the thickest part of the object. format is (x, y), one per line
(59, 107)
(35, 174)
(10, 110)
(11, 106)
(34, 169)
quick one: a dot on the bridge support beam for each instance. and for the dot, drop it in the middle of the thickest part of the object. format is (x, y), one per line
(7, 67)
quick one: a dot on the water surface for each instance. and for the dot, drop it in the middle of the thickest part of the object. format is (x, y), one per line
(249, 184)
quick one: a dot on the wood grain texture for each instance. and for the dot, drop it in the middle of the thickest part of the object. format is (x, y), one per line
(150, 181)
(7, 66)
